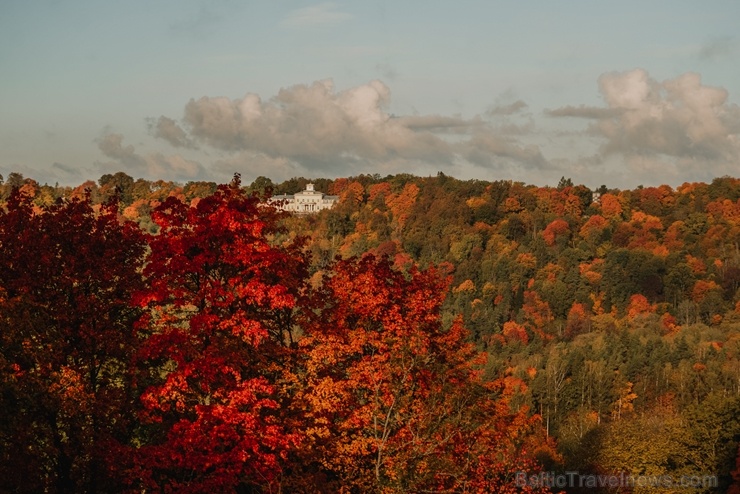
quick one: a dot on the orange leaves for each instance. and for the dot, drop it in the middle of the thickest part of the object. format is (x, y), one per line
(338, 186)
(526, 260)
(401, 204)
(669, 323)
(624, 402)
(572, 206)
(702, 288)
(557, 228)
(536, 311)
(639, 305)
(611, 206)
(697, 265)
(70, 386)
(660, 251)
(465, 286)
(646, 221)
(353, 193)
(393, 399)
(592, 271)
(593, 227)
(725, 209)
(476, 202)
(550, 272)
(512, 205)
(673, 238)
(513, 332)
(561, 202)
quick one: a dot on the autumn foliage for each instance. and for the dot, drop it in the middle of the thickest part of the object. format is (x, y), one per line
(67, 277)
(426, 334)
(217, 321)
(201, 359)
(396, 400)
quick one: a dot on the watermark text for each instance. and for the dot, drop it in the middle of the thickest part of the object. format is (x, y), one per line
(621, 480)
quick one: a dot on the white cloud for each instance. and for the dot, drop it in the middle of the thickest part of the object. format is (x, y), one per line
(343, 132)
(155, 165)
(679, 123)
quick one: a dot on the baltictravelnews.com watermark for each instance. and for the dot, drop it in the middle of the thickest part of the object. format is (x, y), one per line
(576, 479)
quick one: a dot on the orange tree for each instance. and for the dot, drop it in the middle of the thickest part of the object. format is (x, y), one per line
(392, 400)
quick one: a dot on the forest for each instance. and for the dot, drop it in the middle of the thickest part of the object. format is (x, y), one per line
(426, 334)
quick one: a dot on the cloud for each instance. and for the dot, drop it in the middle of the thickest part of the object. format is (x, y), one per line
(341, 132)
(111, 145)
(167, 129)
(583, 112)
(69, 172)
(716, 49)
(439, 123)
(510, 109)
(489, 150)
(155, 165)
(322, 14)
(56, 173)
(681, 120)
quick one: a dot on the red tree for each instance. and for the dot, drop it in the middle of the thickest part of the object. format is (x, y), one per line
(66, 278)
(218, 330)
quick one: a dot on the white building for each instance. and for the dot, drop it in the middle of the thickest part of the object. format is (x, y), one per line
(307, 201)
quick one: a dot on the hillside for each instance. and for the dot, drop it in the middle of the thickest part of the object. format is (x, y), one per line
(609, 319)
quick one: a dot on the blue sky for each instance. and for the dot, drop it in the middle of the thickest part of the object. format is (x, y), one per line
(616, 93)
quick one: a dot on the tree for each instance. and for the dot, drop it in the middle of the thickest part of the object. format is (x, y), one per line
(394, 400)
(559, 228)
(592, 230)
(402, 203)
(552, 381)
(217, 337)
(67, 275)
(639, 306)
(642, 445)
(578, 321)
(708, 297)
(198, 190)
(119, 183)
(564, 182)
(735, 487)
(262, 186)
(611, 207)
(15, 180)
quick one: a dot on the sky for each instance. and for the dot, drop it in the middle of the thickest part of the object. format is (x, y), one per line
(622, 93)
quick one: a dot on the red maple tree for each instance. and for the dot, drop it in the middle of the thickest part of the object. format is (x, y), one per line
(217, 332)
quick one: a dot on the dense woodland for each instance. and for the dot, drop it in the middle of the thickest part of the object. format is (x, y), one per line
(424, 335)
